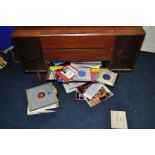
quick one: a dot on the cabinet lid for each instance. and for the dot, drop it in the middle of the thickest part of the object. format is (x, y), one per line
(37, 31)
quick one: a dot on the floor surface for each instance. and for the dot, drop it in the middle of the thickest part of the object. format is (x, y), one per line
(134, 92)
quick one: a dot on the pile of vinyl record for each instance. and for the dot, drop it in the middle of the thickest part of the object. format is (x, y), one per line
(88, 79)
(42, 99)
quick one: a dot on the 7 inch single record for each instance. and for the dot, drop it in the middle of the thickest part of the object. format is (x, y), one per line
(84, 74)
(107, 77)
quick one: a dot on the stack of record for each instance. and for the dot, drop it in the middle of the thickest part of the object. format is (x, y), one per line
(42, 99)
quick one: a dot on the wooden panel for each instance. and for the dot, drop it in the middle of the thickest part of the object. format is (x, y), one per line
(128, 30)
(29, 54)
(77, 42)
(77, 54)
(37, 31)
(126, 52)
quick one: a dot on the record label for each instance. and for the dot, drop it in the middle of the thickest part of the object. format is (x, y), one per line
(82, 73)
(41, 95)
(106, 76)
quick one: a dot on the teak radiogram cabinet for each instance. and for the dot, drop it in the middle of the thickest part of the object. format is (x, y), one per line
(34, 46)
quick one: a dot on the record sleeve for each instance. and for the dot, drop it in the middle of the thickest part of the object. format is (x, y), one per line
(102, 94)
(84, 87)
(72, 86)
(88, 64)
(66, 73)
(107, 77)
(94, 74)
(51, 73)
(84, 74)
(41, 96)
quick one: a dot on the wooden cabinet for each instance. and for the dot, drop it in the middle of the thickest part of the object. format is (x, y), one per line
(36, 45)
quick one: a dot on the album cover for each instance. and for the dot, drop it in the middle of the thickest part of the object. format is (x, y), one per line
(53, 68)
(92, 90)
(102, 94)
(94, 73)
(51, 73)
(72, 86)
(107, 77)
(84, 87)
(69, 90)
(41, 96)
(66, 73)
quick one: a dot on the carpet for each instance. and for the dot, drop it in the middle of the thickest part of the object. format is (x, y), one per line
(134, 92)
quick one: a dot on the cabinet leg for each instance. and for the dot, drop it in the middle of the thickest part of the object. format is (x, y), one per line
(39, 77)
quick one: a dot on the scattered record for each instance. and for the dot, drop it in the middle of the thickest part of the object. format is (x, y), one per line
(84, 87)
(66, 73)
(84, 74)
(51, 74)
(102, 93)
(107, 77)
(70, 87)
